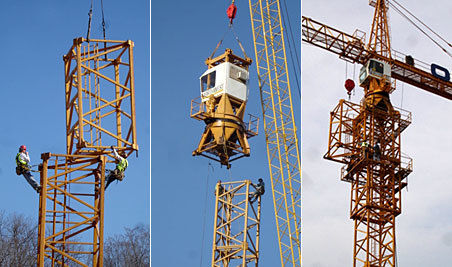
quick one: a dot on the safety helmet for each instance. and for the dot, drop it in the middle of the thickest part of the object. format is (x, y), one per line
(260, 180)
(22, 148)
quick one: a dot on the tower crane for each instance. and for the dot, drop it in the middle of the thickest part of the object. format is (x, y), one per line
(366, 136)
(225, 140)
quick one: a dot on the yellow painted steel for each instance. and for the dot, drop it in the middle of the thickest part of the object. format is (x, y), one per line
(236, 225)
(279, 126)
(71, 210)
(100, 97)
(225, 137)
(100, 112)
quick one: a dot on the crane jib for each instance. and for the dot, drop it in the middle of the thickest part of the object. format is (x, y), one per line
(430, 77)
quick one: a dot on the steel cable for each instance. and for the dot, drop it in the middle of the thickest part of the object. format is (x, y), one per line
(210, 170)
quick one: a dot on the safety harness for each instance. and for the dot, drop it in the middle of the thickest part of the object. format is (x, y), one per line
(21, 165)
(122, 165)
(120, 168)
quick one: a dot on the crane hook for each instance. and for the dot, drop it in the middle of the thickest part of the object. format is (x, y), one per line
(231, 11)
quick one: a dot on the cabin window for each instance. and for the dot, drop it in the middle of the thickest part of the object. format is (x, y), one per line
(362, 74)
(376, 68)
(208, 81)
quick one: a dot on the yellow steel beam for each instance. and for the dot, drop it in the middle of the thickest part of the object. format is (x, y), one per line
(236, 226)
(90, 209)
(279, 126)
(83, 120)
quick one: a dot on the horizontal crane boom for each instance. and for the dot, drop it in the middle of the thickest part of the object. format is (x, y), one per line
(353, 49)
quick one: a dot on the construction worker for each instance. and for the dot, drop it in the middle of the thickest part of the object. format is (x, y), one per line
(220, 188)
(260, 190)
(118, 172)
(365, 149)
(22, 160)
(377, 151)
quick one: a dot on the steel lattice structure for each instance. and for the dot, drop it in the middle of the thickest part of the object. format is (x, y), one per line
(377, 181)
(279, 126)
(100, 112)
(100, 96)
(352, 48)
(236, 225)
(71, 210)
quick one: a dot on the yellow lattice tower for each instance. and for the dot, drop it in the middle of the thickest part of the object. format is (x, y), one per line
(366, 138)
(71, 210)
(236, 226)
(100, 96)
(100, 112)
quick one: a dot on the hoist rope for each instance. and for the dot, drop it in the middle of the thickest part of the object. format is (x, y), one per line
(230, 28)
(210, 170)
(103, 26)
(90, 16)
(103, 18)
(230, 175)
(291, 34)
(218, 45)
(426, 26)
(354, 76)
(401, 100)
(238, 41)
(346, 70)
(297, 70)
(420, 29)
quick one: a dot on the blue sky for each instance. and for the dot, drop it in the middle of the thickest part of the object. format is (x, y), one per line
(35, 36)
(183, 35)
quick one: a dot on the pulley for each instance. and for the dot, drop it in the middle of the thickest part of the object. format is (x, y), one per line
(231, 11)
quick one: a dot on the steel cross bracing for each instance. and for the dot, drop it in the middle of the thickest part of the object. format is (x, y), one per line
(236, 225)
(100, 96)
(279, 126)
(71, 213)
(100, 112)
(366, 138)
(380, 41)
(352, 48)
(377, 181)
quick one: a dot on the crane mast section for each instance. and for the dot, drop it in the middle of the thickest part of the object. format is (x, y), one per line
(279, 126)
(352, 48)
(377, 173)
(236, 225)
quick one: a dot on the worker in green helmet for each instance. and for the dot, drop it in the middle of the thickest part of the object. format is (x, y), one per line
(23, 167)
(118, 172)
